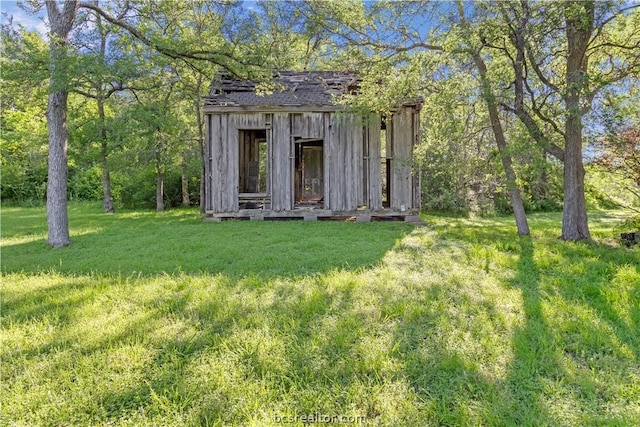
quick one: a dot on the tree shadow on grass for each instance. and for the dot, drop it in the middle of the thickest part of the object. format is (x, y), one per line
(570, 326)
(540, 380)
(447, 348)
(556, 355)
(606, 283)
(535, 360)
(192, 352)
(594, 275)
(210, 376)
(166, 327)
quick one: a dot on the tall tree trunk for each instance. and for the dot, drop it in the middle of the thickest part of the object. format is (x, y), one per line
(579, 17)
(574, 215)
(106, 177)
(519, 213)
(57, 214)
(100, 99)
(185, 182)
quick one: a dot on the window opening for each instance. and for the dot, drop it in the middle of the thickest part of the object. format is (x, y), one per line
(253, 161)
(385, 168)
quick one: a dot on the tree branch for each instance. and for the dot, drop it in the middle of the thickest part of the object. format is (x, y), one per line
(185, 55)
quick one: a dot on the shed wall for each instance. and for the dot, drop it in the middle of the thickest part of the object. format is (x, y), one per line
(352, 160)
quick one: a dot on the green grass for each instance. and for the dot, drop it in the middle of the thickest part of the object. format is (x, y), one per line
(148, 243)
(163, 319)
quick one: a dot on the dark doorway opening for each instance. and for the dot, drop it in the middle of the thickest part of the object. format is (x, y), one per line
(309, 172)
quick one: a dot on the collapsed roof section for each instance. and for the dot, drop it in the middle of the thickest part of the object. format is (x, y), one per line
(290, 88)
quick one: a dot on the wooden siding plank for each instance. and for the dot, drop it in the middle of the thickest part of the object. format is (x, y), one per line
(282, 173)
(401, 190)
(216, 173)
(417, 187)
(331, 165)
(297, 125)
(374, 163)
(315, 125)
(243, 152)
(328, 160)
(341, 161)
(353, 162)
(308, 125)
(406, 150)
(365, 163)
(396, 187)
(207, 163)
(222, 160)
(233, 164)
(249, 120)
(268, 121)
(388, 149)
(349, 166)
(338, 164)
(358, 160)
(350, 170)
(345, 168)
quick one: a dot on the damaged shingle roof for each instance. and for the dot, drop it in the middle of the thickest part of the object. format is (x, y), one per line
(290, 88)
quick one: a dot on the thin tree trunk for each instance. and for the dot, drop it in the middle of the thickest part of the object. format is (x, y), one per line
(543, 180)
(185, 182)
(57, 214)
(159, 183)
(519, 213)
(108, 204)
(100, 99)
(106, 177)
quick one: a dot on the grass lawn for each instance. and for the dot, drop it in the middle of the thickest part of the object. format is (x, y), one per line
(162, 319)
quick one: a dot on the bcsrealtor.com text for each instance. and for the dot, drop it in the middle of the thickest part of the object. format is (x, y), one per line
(318, 418)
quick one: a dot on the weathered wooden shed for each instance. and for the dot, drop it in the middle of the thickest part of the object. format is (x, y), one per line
(294, 153)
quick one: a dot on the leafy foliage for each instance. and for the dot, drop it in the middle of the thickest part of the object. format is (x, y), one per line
(621, 155)
(401, 49)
